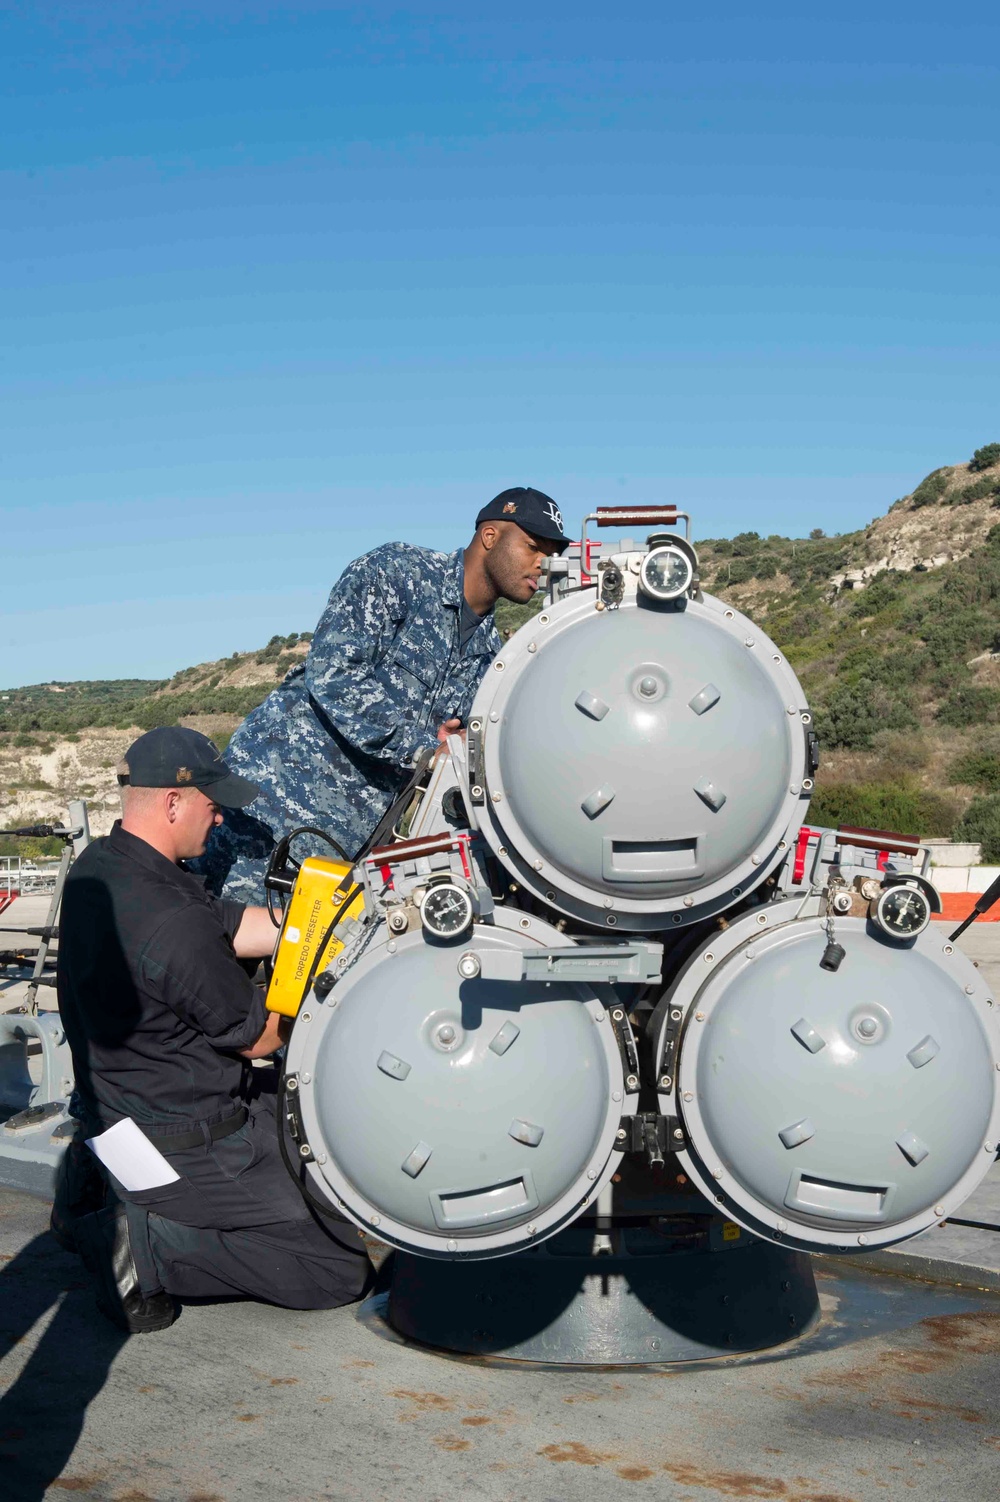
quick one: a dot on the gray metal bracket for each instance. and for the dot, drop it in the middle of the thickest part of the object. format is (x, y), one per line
(635, 963)
(17, 1089)
(650, 1133)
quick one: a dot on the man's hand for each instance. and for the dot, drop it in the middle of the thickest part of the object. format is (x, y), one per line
(256, 936)
(450, 727)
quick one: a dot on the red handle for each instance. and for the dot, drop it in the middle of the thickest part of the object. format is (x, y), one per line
(636, 516)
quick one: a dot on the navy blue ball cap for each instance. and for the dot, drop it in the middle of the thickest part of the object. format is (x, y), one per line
(534, 512)
(174, 757)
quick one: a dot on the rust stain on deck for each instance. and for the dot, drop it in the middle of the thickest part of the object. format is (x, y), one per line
(729, 1483)
(973, 1334)
(424, 1401)
(578, 1454)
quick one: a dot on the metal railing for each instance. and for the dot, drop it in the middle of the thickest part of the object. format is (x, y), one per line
(21, 877)
(75, 837)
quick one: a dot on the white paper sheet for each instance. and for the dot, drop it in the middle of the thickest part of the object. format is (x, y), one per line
(132, 1158)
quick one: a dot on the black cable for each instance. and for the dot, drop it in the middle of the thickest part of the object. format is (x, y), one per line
(388, 820)
(322, 834)
(986, 901)
(975, 1225)
(297, 1170)
(281, 860)
(300, 1181)
(321, 948)
(278, 919)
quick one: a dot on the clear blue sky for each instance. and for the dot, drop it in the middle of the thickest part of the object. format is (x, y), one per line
(283, 281)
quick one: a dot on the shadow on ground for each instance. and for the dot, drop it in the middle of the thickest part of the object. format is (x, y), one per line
(43, 1411)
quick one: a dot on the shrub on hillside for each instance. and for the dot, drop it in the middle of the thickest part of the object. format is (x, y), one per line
(740, 571)
(29, 850)
(981, 821)
(930, 489)
(900, 805)
(985, 457)
(859, 667)
(765, 566)
(509, 617)
(971, 705)
(977, 491)
(979, 768)
(826, 560)
(273, 649)
(879, 595)
(900, 753)
(149, 713)
(788, 627)
(854, 713)
(745, 543)
(956, 635)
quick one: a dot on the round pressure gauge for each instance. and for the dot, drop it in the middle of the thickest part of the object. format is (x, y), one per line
(666, 573)
(446, 910)
(902, 912)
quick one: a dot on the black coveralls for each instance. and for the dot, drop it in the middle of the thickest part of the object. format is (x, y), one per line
(155, 1004)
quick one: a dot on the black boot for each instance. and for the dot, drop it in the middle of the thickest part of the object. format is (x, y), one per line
(80, 1190)
(103, 1242)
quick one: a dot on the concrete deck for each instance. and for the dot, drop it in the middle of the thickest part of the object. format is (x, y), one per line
(895, 1395)
(24, 912)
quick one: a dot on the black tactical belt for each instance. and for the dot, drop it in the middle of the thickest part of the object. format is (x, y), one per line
(178, 1142)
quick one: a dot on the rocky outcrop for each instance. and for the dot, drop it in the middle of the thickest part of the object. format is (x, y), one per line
(926, 536)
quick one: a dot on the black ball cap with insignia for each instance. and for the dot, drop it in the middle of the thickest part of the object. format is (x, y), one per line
(175, 757)
(533, 511)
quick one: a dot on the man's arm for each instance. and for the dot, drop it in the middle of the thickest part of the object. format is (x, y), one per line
(346, 649)
(256, 935)
(275, 1034)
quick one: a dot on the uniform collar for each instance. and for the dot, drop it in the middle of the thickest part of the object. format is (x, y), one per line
(144, 854)
(481, 643)
(453, 592)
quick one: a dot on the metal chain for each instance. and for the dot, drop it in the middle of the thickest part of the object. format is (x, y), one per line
(344, 964)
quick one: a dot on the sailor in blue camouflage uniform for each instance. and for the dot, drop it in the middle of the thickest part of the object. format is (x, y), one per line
(394, 665)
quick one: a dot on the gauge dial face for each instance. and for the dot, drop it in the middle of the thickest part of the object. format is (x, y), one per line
(666, 573)
(446, 911)
(903, 912)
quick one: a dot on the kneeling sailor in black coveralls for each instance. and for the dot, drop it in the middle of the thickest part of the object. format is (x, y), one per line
(163, 1020)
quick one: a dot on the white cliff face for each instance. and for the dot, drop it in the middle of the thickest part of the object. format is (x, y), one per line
(902, 558)
(907, 539)
(37, 782)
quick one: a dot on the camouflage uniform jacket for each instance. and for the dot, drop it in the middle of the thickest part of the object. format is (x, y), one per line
(336, 742)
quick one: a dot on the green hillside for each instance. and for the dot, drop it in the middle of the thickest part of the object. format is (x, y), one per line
(232, 686)
(894, 631)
